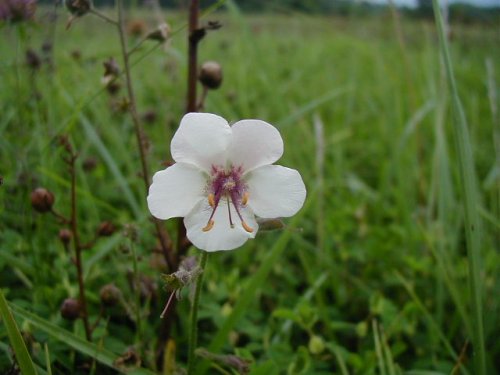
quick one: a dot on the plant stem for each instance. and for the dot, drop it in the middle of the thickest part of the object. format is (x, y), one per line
(165, 242)
(470, 200)
(193, 335)
(78, 250)
(192, 55)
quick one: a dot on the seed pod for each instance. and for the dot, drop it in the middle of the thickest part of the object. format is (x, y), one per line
(33, 60)
(78, 8)
(65, 236)
(106, 229)
(70, 309)
(110, 295)
(210, 75)
(160, 34)
(42, 200)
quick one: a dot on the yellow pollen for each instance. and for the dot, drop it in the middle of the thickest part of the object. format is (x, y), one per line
(209, 226)
(246, 227)
(211, 200)
(244, 199)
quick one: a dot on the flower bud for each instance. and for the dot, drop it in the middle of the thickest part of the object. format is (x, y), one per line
(33, 60)
(70, 309)
(111, 67)
(210, 75)
(136, 28)
(78, 8)
(65, 236)
(110, 295)
(161, 33)
(42, 200)
(106, 229)
(89, 164)
(316, 345)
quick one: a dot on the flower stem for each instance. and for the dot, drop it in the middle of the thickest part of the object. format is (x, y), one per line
(165, 242)
(193, 335)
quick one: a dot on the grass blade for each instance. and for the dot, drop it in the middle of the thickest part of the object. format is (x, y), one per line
(469, 199)
(16, 340)
(100, 354)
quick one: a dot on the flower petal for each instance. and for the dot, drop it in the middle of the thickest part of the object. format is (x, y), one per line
(202, 140)
(221, 236)
(176, 190)
(275, 191)
(255, 143)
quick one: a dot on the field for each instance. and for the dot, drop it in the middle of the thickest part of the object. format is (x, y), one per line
(371, 276)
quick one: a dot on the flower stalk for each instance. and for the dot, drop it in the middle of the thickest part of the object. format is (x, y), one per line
(164, 239)
(193, 335)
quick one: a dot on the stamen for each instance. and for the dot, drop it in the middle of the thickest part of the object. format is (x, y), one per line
(211, 200)
(229, 212)
(246, 227)
(209, 226)
(243, 224)
(244, 199)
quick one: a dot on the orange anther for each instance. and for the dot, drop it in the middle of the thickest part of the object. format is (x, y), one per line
(209, 226)
(211, 200)
(244, 199)
(246, 227)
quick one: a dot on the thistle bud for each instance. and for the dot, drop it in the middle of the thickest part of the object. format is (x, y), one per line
(160, 34)
(70, 309)
(110, 295)
(210, 75)
(78, 8)
(42, 200)
(65, 236)
(106, 229)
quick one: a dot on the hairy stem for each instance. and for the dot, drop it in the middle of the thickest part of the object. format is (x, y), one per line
(193, 335)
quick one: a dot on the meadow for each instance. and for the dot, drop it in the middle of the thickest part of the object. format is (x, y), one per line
(370, 277)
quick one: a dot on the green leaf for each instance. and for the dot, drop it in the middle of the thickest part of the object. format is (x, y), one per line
(98, 353)
(16, 340)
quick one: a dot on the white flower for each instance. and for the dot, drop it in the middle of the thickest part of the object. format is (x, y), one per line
(223, 177)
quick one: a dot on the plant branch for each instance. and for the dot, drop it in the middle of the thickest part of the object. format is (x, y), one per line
(78, 249)
(165, 242)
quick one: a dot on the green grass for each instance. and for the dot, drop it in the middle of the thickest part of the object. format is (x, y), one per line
(376, 264)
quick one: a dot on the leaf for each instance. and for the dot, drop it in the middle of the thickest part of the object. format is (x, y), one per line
(16, 340)
(98, 353)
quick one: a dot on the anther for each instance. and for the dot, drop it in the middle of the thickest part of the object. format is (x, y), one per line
(246, 227)
(244, 199)
(211, 200)
(209, 226)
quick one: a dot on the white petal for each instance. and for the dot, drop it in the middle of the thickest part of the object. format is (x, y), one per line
(221, 236)
(176, 190)
(275, 191)
(255, 143)
(202, 140)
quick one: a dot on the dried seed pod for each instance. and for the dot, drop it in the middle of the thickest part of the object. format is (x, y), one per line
(106, 229)
(210, 75)
(42, 200)
(65, 235)
(110, 295)
(70, 309)
(160, 34)
(78, 8)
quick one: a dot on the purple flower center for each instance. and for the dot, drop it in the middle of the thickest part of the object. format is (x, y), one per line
(227, 183)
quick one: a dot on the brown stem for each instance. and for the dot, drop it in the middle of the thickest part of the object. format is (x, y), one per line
(78, 251)
(165, 241)
(192, 55)
(201, 102)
